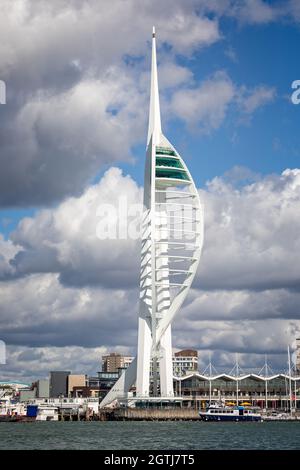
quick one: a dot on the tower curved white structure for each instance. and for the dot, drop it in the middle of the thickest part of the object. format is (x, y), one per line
(172, 238)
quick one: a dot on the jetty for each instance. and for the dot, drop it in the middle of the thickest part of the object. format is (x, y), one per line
(149, 414)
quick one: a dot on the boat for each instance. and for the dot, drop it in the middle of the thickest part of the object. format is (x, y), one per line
(227, 413)
(18, 413)
(47, 413)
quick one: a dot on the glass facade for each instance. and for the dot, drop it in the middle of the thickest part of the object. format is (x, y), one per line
(170, 173)
(165, 151)
(168, 162)
(252, 387)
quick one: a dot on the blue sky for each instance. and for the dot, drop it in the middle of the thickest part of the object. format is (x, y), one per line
(265, 143)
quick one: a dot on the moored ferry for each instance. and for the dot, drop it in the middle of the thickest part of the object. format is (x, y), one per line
(227, 413)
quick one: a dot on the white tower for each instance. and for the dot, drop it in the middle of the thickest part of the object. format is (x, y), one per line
(172, 238)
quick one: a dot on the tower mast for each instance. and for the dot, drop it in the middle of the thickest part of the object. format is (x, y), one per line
(172, 238)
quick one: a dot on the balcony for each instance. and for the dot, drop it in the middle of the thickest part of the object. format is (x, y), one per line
(165, 151)
(172, 173)
(168, 162)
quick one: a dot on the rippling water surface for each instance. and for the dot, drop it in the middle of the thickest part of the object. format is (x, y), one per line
(149, 435)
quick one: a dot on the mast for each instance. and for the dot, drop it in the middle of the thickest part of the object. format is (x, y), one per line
(237, 380)
(154, 132)
(290, 378)
(266, 381)
(210, 374)
(154, 127)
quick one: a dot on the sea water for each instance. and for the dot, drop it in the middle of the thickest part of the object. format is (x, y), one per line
(150, 435)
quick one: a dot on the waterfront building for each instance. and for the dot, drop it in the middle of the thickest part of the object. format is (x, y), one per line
(59, 383)
(257, 390)
(172, 237)
(43, 388)
(76, 380)
(96, 386)
(185, 362)
(114, 361)
(27, 395)
(14, 385)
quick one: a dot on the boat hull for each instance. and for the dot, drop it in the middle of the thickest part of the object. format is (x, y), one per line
(16, 419)
(219, 418)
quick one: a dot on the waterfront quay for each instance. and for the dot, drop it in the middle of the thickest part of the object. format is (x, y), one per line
(149, 414)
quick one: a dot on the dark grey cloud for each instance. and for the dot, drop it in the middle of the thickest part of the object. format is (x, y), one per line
(38, 311)
(65, 67)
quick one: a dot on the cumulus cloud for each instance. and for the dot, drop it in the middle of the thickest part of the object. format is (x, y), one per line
(66, 288)
(78, 81)
(205, 105)
(7, 252)
(253, 99)
(29, 363)
(39, 311)
(256, 11)
(251, 238)
(73, 104)
(294, 7)
(60, 140)
(66, 240)
(77, 77)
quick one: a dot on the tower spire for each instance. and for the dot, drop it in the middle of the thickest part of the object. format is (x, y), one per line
(154, 111)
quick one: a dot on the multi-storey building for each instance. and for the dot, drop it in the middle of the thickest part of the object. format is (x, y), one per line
(185, 362)
(114, 361)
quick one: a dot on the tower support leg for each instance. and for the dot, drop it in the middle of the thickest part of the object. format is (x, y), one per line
(166, 366)
(143, 358)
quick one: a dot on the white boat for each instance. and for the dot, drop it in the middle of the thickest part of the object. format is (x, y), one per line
(47, 413)
(227, 413)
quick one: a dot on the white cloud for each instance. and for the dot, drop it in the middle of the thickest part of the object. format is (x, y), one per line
(73, 290)
(250, 100)
(78, 86)
(173, 75)
(256, 11)
(38, 311)
(294, 8)
(28, 363)
(7, 252)
(34, 31)
(187, 32)
(72, 70)
(251, 234)
(65, 240)
(205, 105)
